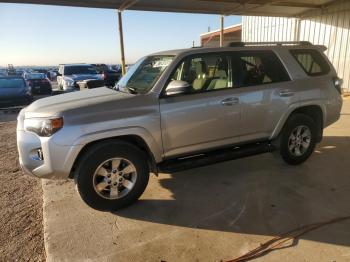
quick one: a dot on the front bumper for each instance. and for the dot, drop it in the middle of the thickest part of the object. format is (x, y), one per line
(55, 161)
(69, 89)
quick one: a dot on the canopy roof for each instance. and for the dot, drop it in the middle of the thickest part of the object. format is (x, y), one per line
(290, 8)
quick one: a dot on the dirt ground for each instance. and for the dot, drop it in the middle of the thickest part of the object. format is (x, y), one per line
(21, 229)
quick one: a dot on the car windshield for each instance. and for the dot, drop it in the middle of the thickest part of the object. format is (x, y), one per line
(101, 67)
(75, 70)
(11, 83)
(142, 76)
(35, 76)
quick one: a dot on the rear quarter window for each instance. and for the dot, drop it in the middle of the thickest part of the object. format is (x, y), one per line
(311, 61)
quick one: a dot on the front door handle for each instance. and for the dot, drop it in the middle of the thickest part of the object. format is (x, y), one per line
(286, 93)
(230, 101)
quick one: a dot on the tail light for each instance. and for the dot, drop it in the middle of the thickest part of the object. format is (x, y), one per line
(338, 83)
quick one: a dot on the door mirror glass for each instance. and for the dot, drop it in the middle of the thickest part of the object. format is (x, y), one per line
(176, 87)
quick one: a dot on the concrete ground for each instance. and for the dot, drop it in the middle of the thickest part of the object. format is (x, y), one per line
(214, 213)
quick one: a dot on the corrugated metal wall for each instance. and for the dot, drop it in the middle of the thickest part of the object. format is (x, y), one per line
(329, 27)
(264, 29)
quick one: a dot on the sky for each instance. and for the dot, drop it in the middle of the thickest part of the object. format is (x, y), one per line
(50, 35)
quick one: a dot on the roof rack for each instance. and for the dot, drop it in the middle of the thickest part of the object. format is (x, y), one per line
(240, 44)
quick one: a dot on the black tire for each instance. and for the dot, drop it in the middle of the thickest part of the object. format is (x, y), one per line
(294, 121)
(98, 154)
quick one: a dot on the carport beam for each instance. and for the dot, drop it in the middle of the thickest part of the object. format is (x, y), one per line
(221, 31)
(121, 39)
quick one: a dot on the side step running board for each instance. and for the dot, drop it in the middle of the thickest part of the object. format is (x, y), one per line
(212, 157)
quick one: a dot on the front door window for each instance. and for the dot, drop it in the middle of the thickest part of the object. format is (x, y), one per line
(204, 72)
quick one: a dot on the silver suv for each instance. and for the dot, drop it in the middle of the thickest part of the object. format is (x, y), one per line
(70, 74)
(181, 109)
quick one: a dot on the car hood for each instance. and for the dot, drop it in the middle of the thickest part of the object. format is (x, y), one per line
(73, 102)
(12, 92)
(82, 77)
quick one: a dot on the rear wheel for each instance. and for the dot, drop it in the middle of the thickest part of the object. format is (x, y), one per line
(298, 139)
(112, 175)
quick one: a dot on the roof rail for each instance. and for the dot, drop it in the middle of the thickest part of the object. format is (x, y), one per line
(239, 44)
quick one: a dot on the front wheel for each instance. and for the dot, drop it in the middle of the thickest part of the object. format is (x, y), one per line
(112, 175)
(298, 139)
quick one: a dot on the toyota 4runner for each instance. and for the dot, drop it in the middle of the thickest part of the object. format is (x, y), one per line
(181, 109)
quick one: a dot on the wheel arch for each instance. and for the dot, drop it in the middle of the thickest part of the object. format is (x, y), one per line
(135, 140)
(315, 111)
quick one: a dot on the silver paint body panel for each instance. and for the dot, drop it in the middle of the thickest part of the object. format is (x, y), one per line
(173, 126)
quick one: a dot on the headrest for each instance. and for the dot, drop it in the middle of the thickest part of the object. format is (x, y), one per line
(200, 67)
(221, 74)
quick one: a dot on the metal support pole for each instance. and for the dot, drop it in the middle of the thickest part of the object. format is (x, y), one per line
(221, 31)
(121, 39)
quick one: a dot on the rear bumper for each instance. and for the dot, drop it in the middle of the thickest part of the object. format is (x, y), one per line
(333, 112)
(90, 84)
(110, 81)
(41, 90)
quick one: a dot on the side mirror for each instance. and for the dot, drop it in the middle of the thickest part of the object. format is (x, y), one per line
(176, 87)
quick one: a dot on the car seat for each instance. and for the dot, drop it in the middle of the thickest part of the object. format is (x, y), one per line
(220, 77)
(201, 75)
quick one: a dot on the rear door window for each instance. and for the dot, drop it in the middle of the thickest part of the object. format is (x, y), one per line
(311, 61)
(250, 68)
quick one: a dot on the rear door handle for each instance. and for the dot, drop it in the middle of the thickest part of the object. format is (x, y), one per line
(286, 93)
(230, 101)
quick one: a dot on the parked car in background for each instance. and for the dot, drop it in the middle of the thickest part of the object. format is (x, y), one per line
(11, 71)
(19, 73)
(43, 71)
(109, 76)
(40, 70)
(14, 92)
(70, 74)
(52, 75)
(39, 83)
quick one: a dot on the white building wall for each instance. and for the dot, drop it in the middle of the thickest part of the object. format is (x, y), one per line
(265, 29)
(329, 27)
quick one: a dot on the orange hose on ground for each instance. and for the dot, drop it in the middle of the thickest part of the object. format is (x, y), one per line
(278, 241)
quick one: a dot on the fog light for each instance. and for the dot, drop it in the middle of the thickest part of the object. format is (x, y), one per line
(40, 154)
(37, 154)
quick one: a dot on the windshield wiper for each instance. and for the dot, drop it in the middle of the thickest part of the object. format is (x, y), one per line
(131, 90)
(126, 89)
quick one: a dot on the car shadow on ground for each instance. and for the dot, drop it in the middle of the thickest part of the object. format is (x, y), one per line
(258, 195)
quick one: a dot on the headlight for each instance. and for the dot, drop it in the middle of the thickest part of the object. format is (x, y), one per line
(28, 91)
(43, 126)
(68, 83)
